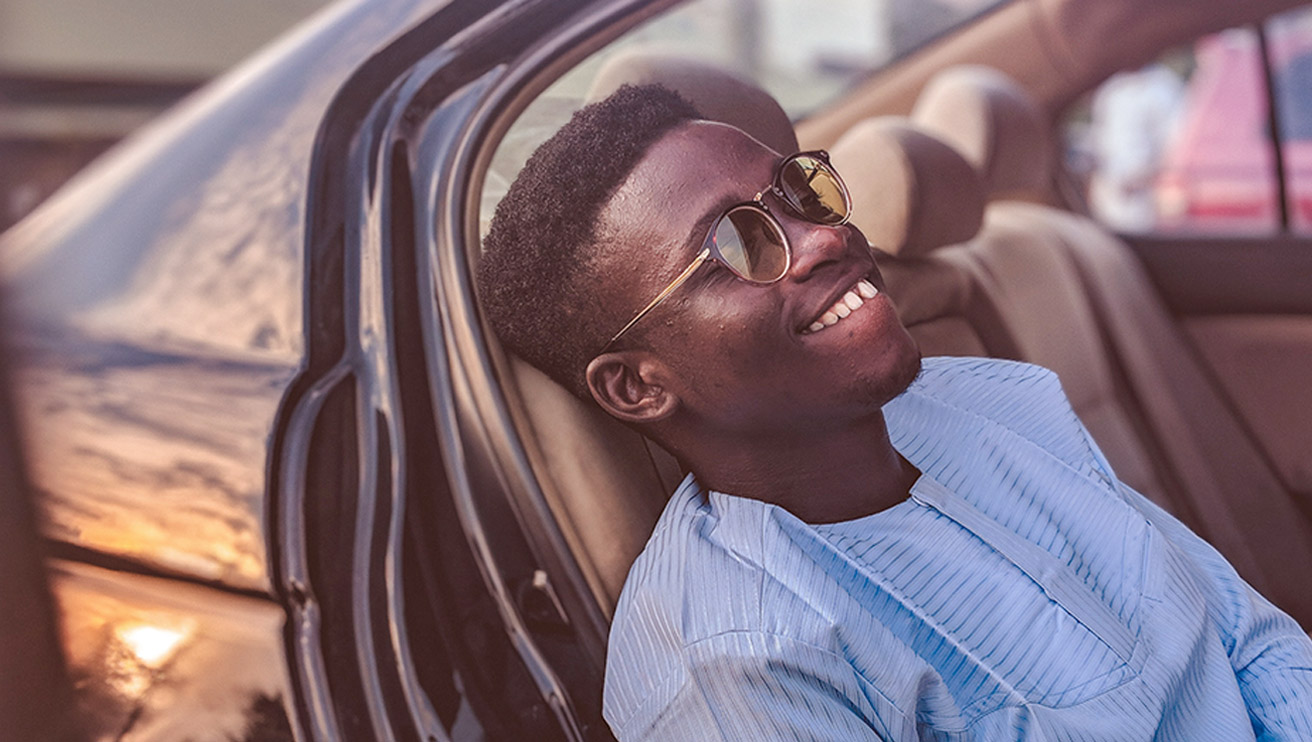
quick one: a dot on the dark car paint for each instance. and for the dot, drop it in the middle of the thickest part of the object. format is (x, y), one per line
(160, 299)
(172, 270)
(33, 674)
(220, 328)
(409, 143)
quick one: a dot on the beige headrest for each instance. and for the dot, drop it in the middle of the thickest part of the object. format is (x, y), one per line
(911, 193)
(995, 124)
(717, 93)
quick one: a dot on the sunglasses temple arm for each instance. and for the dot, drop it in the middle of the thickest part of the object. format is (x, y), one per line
(692, 268)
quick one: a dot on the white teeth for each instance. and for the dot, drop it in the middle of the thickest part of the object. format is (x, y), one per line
(849, 302)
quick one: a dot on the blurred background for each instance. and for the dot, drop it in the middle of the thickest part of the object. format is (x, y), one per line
(77, 76)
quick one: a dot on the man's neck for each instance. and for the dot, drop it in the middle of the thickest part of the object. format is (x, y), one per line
(821, 479)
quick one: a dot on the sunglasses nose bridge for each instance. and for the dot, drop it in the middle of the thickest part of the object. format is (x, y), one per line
(812, 244)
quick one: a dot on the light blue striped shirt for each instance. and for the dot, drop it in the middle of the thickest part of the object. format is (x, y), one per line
(1022, 592)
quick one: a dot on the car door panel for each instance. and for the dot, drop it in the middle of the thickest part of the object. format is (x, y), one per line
(1262, 363)
(1245, 303)
(1212, 275)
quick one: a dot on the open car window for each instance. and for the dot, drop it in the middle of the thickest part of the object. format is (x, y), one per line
(1189, 142)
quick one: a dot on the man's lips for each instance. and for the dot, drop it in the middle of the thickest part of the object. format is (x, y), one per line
(849, 299)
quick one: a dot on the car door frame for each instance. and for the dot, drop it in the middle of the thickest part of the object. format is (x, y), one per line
(392, 315)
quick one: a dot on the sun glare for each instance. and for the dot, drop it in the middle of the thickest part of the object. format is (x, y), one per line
(151, 645)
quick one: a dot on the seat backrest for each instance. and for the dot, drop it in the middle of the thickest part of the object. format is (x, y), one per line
(912, 195)
(1033, 281)
(1078, 301)
(717, 93)
(606, 484)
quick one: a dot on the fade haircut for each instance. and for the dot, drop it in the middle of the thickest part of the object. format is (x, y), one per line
(536, 279)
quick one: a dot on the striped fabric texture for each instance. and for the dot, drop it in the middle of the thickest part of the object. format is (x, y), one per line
(1022, 592)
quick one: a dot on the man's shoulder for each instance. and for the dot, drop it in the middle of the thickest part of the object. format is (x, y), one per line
(706, 587)
(701, 572)
(714, 565)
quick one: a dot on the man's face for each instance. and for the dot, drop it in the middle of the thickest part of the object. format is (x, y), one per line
(742, 356)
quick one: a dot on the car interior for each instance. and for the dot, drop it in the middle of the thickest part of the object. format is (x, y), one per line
(956, 179)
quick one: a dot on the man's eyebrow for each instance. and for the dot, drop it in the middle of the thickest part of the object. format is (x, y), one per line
(703, 224)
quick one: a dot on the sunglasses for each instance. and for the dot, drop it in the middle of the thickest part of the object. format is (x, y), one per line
(748, 240)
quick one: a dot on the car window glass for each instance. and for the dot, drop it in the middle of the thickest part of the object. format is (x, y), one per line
(1181, 144)
(1290, 39)
(804, 54)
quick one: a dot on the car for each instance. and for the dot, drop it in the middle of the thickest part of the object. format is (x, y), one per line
(1218, 174)
(289, 486)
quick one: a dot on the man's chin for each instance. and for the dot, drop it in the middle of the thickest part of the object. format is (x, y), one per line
(899, 373)
(912, 371)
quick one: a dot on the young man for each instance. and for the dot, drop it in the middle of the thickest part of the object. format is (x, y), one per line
(865, 549)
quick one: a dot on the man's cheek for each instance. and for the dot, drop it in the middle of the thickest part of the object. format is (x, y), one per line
(752, 355)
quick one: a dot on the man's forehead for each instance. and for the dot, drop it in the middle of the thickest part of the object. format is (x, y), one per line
(696, 168)
(700, 156)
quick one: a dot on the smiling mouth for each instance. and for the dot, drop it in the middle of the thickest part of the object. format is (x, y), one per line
(851, 301)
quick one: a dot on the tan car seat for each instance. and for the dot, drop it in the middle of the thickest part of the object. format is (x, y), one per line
(717, 93)
(1078, 301)
(1038, 289)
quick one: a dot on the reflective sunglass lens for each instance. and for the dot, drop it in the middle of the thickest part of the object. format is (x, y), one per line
(814, 190)
(751, 244)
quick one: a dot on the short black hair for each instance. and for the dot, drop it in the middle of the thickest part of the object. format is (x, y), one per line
(535, 282)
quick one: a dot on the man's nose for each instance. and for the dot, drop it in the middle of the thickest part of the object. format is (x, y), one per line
(814, 246)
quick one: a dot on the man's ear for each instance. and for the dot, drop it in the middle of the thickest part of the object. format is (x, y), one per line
(629, 385)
